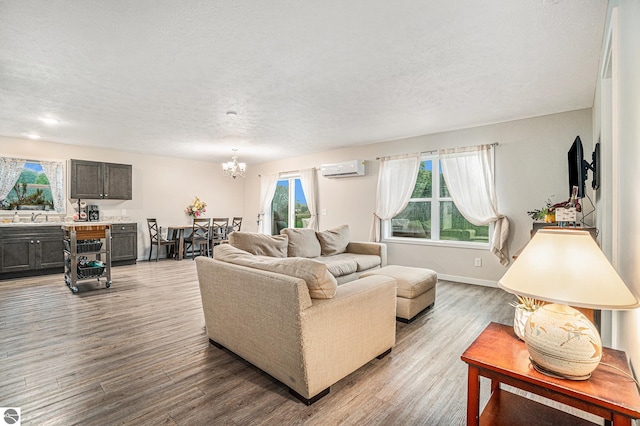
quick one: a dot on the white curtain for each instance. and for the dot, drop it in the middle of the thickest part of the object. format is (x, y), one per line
(468, 173)
(308, 180)
(268, 184)
(10, 170)
(396, 180)
(55, 173)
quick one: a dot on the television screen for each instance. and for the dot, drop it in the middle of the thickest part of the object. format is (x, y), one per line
(577, 171)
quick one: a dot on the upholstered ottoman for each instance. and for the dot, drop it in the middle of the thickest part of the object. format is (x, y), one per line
(416, 289)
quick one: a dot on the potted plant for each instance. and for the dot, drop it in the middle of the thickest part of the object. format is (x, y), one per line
(33, 201)
(546, 214)
(525, 306)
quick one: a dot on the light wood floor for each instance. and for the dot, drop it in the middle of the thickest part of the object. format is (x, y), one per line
(137, 353)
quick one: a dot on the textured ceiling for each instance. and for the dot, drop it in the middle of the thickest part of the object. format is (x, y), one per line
(303, 76)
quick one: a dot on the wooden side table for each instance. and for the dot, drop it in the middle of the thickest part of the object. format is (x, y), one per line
(500, 356)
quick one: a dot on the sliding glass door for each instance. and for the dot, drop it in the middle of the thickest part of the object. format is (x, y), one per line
(289, 206)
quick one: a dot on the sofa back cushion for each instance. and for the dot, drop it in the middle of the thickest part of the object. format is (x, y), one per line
(320, 282)
(259, 244)
(334, 241)
(302, 242)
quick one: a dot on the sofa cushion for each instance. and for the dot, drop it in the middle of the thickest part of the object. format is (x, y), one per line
(339, 264)
(365, 261)
(334, 241)
(302, 242)
(230, 254)
(320, 282)
(259, 244)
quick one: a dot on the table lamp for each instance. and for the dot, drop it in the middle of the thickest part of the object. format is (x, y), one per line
(565, 267)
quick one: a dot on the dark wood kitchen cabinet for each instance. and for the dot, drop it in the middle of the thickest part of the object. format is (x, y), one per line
(124, 243)
(94, 180)
(31, 248)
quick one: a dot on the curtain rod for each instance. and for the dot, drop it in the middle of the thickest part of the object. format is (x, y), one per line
(436, 150)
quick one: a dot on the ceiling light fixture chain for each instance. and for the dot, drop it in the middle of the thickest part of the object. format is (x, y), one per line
(233, 168)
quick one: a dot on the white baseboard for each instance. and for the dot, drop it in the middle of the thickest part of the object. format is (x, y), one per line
(467, 280)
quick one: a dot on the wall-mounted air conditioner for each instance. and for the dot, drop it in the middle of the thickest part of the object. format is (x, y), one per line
(344, 169)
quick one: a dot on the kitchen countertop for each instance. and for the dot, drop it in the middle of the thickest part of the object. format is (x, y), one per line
(12, 224)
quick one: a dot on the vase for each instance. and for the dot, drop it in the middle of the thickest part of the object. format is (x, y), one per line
(520, 320)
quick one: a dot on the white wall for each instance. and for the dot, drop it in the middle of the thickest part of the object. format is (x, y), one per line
(162, 186)
(624, 249)
(531, 166)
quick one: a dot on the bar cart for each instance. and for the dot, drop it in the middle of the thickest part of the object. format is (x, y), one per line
(84, 247)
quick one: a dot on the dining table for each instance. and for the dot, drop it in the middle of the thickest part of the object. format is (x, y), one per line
(176, 232)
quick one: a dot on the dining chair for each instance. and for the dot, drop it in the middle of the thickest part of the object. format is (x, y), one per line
(156, 239)
(200, 236)
(236, 223)
(220, 230)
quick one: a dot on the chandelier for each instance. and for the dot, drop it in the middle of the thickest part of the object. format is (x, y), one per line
(233, 168)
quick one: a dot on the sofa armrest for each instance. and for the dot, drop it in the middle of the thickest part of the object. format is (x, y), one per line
(341, 334)
(361, 247)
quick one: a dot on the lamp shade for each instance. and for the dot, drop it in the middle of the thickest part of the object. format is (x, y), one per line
(567, 267)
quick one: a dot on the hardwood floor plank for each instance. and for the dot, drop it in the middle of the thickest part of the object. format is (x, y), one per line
(137, 353)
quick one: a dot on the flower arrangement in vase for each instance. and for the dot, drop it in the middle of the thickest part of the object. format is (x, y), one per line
(525, 306)
(547, 213)
(197, 208)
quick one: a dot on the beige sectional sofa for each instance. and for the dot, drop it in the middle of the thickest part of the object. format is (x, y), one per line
(288, 316)
(345, 259)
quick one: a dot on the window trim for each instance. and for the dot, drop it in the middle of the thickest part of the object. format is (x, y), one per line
(435, 216)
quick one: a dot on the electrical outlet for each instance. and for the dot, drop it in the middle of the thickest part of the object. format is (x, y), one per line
(478, 261)
(123, 212)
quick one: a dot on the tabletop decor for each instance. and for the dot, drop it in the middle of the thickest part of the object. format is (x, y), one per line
(565, 267)
(525, 306)
(197, 208)
(545, 213)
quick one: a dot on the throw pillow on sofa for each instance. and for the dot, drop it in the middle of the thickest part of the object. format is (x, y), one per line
(334, 241)
(320, 282)
(302, 242)
(259, 244)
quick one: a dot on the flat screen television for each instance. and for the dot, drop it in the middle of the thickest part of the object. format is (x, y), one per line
(578, 167)
(577, 172)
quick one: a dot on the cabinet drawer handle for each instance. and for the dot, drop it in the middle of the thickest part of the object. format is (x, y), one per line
(106, 195)
(31, 241)
(38, 242)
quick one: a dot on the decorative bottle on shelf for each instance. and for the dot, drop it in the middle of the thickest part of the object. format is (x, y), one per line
(16, 218)
(573, 200)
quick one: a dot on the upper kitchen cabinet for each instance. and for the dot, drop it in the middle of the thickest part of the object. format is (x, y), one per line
(96, 180)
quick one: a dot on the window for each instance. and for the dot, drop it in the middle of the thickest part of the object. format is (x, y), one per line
(431, 214)
(31, 191)
(287, 214)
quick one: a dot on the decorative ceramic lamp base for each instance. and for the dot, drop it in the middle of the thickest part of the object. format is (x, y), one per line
(562, 342)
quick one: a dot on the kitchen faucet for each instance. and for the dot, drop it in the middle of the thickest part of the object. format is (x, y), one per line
(34, 216)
